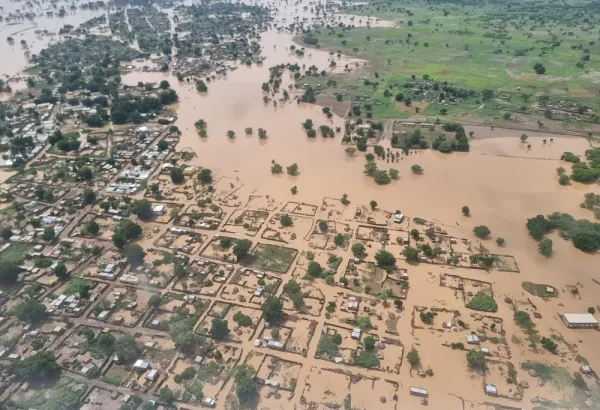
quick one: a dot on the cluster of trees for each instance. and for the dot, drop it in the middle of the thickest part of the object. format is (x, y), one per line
(461, 142)
(292, 289)
(129, 108)
(125, 232)
(581, 171)
(65, 142)
(584, 234)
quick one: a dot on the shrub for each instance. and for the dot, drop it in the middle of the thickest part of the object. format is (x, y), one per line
(483, 301)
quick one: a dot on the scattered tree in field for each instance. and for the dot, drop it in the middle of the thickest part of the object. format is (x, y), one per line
(294, 190)
(60, 270)
(345, 200)
(394, 174)
(292, 169)
(500, 241)
(276, 168)
(135, 254)
(201, 86)
(230, 134)
(245, 386)
(373, 205)
(482, 231)
(369, 342)
(416, 169)
(564, 179)
(262, 133)
(539, 68)
(350, 151)
(549, 344)
(466, 211)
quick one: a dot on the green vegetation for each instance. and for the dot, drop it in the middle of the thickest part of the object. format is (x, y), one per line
(483, 301)
(466, 211)
(272, 310)
(219, 329)
(413, 357)
(328, 347)
(385, 260)
(482, 231)
(275, 258)
(584, 234)
(39, 367)
(367, 359)
(427, 317)
(476, 359)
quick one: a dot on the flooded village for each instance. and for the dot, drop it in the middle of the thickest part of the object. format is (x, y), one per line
(200, 207)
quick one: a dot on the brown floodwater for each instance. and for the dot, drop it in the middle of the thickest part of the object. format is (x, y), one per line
(502, 181)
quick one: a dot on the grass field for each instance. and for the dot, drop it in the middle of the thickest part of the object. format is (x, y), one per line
(473, 48)
(16, 252)
(275, 258)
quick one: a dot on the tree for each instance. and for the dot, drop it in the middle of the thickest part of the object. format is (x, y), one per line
(482, 231)
(276, 169)
(48, 235)
(177, 176)
(411, 254)
(60, 270)
(538, 226)
(38, 367)
(167, 395)
(369, 343)
(205, 176)
(286, 220)
(314, 269)
(292, 169)
(163, 145)
(500, 241)
(539, 68)
(385, 260)
(201, 86)
(545, 247)
(564, 179)
(275, 333)
(241, 248)
(30, 311)
(230, 134)
(272, 310)
(92, 227)
(466, 211)
(413, 357)
(358, 250)
(9, 272)
(6, 233)
(394, 174)
(416, 169)
(524, 137)
(164, 84)
(476, 359)
(219, 329)
(350, 151)
(245, 387)
(415, 233)
(323, 226)
(89, 196)
(126, 348)
(143, 209)
(119, 240)
(135, 254)
(85, 174)
(339, 239)
(155, 301)
(373, 204)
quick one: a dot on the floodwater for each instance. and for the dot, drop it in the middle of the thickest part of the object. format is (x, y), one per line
(500, 179)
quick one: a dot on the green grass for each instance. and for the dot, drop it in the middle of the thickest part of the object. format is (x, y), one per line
(473, 48)
(275, 258)
(558, 376)
(539, 290)
(16, 252)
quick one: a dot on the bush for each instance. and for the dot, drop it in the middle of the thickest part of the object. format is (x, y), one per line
(457, 346)
(416, 169)
(427, 317)
(367, 360)
(286, 220)
(358, 250)
(549, 344)
(545, 247)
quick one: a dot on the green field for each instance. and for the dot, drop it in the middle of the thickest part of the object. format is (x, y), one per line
(471, 48)
(16, 252)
